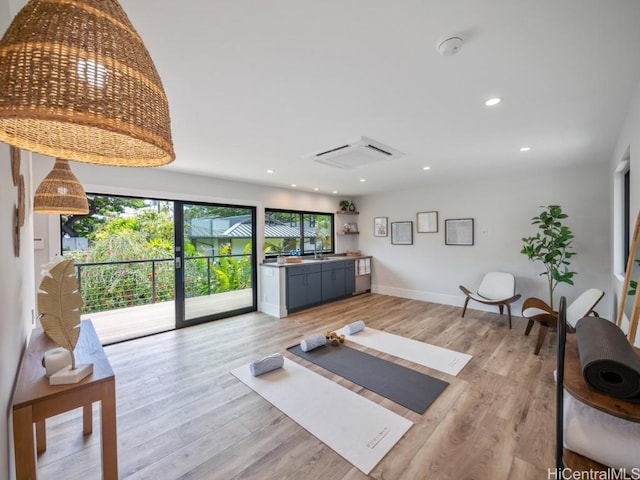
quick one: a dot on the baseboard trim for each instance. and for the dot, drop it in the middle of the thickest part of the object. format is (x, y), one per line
(441, 298)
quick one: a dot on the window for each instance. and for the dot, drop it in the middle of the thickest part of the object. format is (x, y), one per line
(622, 221)
(626, 209)
(288, 232)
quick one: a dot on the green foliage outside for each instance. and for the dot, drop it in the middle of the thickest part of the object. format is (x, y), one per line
(633, 284)
(101, 208)
(551, 246)
(124, 247)
(147, 235)
(227, 274)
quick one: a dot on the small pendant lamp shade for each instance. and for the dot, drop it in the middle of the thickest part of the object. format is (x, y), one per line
(60, 192)
(76, 81)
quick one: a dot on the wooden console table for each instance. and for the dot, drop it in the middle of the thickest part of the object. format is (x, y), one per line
(35, 400)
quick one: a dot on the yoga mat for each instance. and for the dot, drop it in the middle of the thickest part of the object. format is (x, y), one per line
(438, 358)
(609, 364)
(409, 388)
(359, 430)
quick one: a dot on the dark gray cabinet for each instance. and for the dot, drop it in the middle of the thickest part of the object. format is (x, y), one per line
(333, 280)
(350, 277)
(309, 285)
(304, 286)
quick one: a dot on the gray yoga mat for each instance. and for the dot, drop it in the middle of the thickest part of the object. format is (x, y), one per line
(609, 364)
(409, 388)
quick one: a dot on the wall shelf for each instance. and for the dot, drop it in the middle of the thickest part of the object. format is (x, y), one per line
(355, 225)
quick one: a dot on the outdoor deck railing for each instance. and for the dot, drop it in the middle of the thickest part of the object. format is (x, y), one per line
(128, 283)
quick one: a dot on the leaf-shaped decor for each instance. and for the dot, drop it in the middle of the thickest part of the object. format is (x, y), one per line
(59, 303)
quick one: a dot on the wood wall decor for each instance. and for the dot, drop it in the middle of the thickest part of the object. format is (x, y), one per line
(19, 211)
(16, 232)
(15, 164)
(21, 196)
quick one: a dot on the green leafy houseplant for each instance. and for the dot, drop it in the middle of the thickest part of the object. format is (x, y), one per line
(552, 246)
(344, 204)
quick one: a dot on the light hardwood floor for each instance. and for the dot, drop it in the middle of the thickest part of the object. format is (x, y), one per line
(181, 415)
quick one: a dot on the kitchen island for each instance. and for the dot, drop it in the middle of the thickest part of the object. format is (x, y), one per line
(290, 287)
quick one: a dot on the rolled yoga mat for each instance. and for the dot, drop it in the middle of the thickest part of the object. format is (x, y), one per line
(312, 342)
(609, 364)
(354, 327)
(266, 364)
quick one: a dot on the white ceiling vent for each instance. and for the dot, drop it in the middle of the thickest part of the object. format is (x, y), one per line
(355, 154)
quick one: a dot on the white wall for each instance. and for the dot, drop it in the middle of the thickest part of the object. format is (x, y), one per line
(17, 293)
(501, 207)
(16, 297)
(628, 143)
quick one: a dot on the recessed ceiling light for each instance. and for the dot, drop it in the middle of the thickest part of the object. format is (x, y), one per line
(493, 101)
(315, 189)
(525, 149)
(426, 168)
(294, 185)
(363, 179)
(335, 191)
(270, 171)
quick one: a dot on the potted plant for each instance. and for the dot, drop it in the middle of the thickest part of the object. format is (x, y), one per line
(278, 249)
(344, 205)
(552, 246)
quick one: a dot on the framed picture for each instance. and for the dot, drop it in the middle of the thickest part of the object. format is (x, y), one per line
(427, 222)
(380, 227)
(458, 231)
(402, 233)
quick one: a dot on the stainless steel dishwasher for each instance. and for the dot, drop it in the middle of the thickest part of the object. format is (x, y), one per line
(363, 275)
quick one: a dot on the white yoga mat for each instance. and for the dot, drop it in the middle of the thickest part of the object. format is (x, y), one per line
(432, 356)
(361, 431)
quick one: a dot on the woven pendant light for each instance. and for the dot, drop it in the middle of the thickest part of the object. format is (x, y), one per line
(76, 81)
(60, 192)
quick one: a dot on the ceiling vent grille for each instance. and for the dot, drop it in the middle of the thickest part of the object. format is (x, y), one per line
(355, 154)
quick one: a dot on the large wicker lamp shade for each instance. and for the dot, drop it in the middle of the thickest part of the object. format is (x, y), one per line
(76, 81)
(60, 192)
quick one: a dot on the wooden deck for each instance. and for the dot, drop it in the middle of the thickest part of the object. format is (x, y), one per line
(126, 323)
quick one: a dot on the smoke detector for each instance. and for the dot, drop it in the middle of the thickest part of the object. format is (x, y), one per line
(355, 154)
(449, 46)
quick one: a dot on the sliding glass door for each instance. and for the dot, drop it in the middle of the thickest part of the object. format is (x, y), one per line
(215, 261)
(147, 265)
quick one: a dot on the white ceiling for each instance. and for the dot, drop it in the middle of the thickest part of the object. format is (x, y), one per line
(255, 85)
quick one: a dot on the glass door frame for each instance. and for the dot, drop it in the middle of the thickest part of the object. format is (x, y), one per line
(179, 260)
